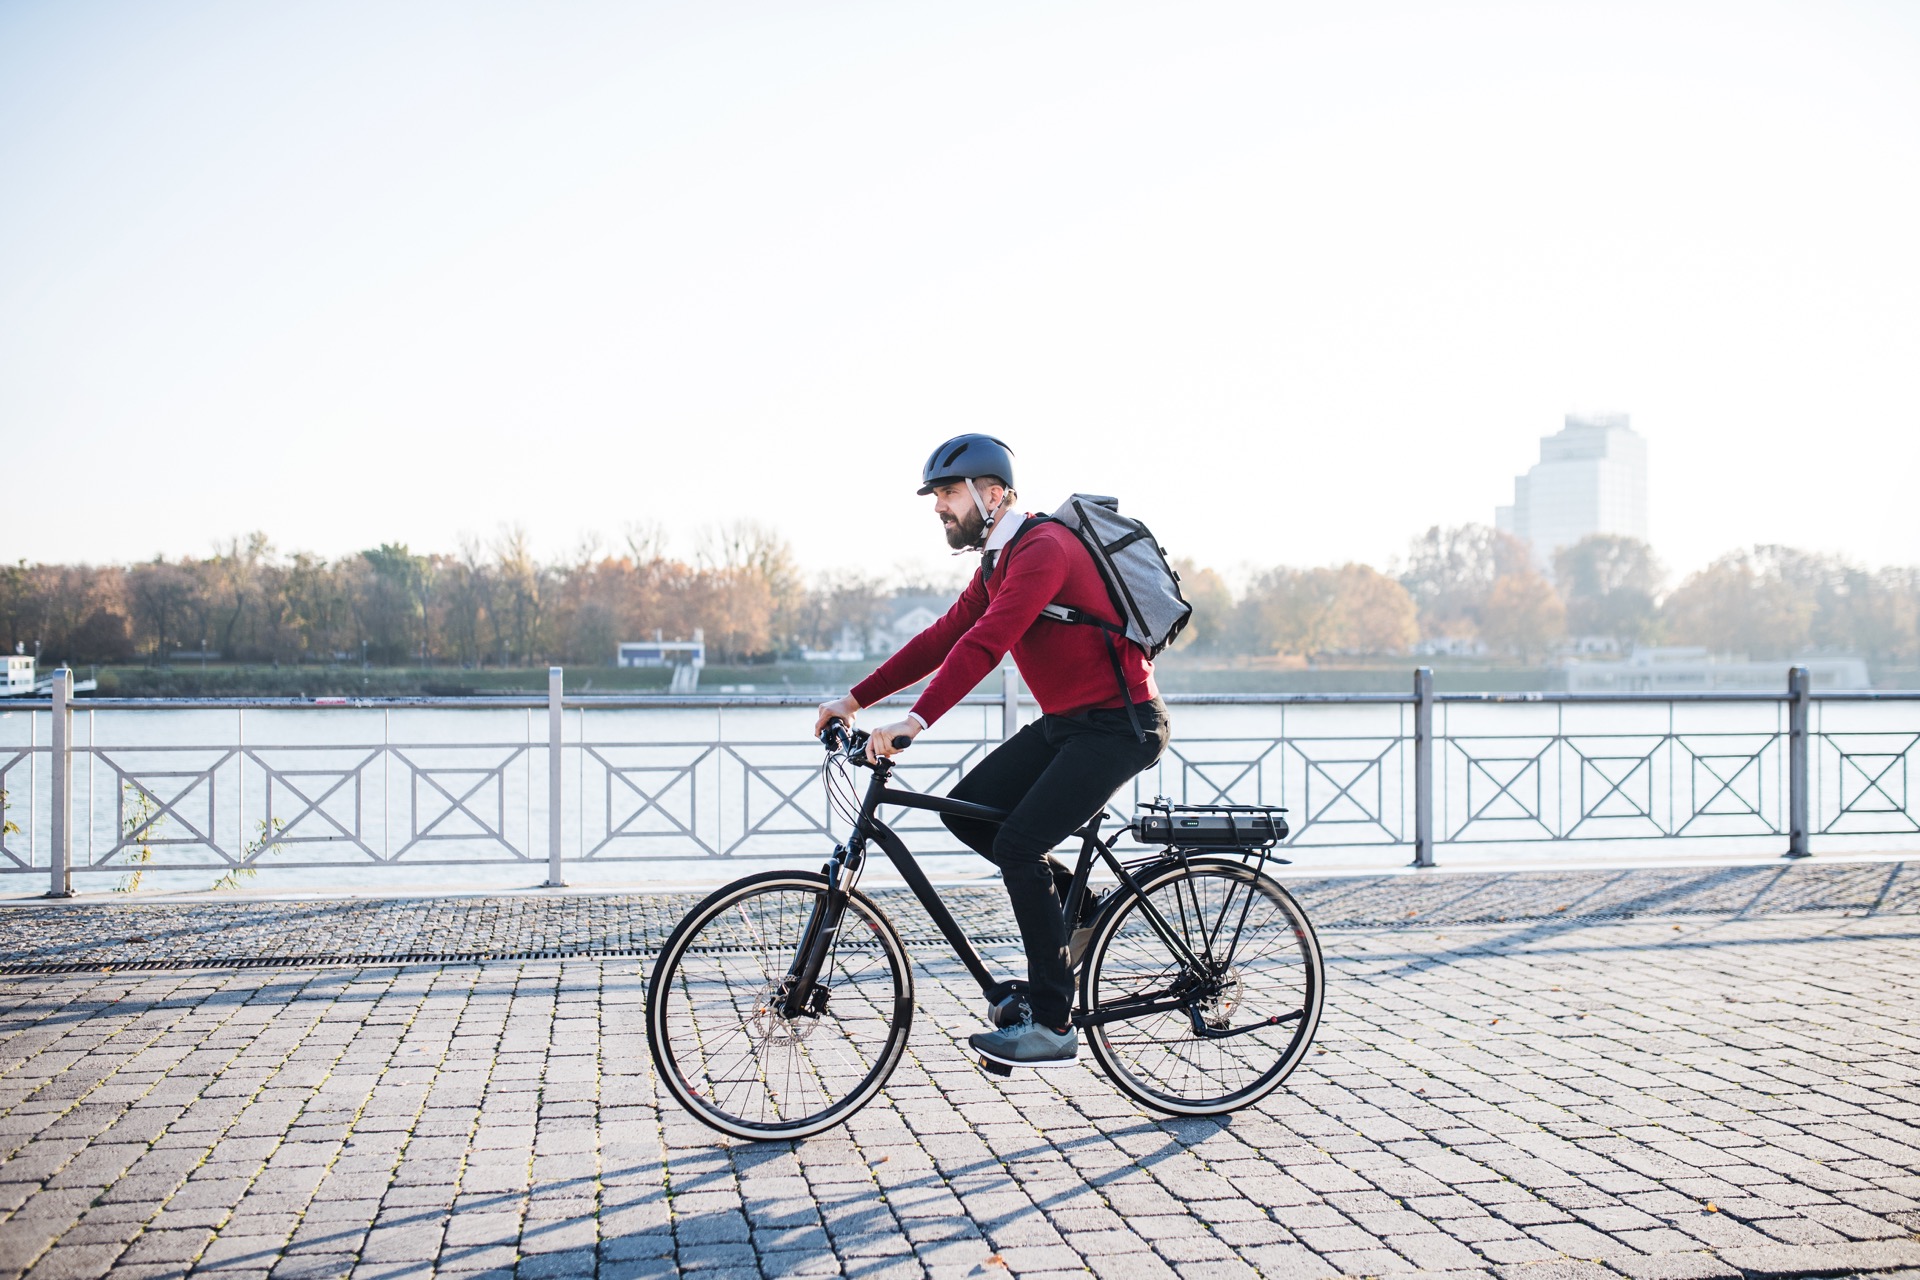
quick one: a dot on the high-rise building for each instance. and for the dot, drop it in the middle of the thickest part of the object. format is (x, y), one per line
(1591, 478)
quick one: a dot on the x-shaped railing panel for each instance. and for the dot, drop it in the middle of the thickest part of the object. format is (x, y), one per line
(1343, 784)
(442, 794)
(1872, 782)
(1617, 793)
(1730, 771)
(310, 816)
(649, 799)
(162, 792)
(1502, 786)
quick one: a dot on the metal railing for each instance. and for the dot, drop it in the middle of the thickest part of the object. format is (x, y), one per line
(343, 783)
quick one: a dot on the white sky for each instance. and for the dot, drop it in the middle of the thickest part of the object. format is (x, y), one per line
(1295, 280)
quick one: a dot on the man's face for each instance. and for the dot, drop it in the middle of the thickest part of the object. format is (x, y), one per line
(958, 514)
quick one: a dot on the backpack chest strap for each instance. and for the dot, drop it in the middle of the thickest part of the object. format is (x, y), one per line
(1067, 613)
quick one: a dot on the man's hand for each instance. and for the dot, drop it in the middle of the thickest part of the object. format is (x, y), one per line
(841, 709)
(880, 743)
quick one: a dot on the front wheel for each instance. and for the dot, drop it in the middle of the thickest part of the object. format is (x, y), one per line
(1233, 1027)
(716, 1010)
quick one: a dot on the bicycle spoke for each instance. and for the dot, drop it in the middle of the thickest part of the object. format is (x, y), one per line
(720, 1034)
(1256, 962)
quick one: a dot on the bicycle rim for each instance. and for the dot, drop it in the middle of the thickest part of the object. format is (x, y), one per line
(1269, 966)
(714, 1026)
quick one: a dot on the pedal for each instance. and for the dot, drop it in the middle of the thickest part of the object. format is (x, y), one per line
(993, 1068)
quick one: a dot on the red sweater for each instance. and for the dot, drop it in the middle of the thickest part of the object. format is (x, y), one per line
(1065, 664)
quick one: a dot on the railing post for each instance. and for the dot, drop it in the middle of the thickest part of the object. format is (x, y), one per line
(1423, 767)
(556, 731)
(1009, 701)
(1799, 755)
(61, 856)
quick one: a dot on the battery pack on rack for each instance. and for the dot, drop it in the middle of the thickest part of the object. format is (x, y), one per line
(1209, 827)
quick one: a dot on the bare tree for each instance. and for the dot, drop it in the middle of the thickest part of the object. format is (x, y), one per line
(1450, 573)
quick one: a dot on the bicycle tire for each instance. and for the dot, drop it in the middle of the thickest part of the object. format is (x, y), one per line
(1159, 1060)
(766, 1077)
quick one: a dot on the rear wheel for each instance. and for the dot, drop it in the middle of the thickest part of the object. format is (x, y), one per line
(1259, 980)
(716, 1021)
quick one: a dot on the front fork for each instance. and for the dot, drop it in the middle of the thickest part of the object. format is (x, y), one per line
(802, 995)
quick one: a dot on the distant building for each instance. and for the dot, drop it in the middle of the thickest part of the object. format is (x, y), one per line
(1687, 669)
(1591, 478)
(662, 653)
(19, 674)
(907, 617)
(846, 647)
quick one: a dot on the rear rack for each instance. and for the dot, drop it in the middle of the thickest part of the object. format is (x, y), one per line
(1209, 826)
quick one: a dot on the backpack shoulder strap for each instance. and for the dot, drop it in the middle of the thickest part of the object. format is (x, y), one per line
(1108, 630)
(1026, 526)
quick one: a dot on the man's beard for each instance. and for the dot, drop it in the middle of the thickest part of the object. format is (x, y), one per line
(965, 532)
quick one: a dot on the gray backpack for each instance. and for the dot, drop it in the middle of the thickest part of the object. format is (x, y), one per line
(1143, 587)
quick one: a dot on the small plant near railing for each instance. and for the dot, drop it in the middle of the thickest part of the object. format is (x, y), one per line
(142, 823)
(8, 827)
(244, 870)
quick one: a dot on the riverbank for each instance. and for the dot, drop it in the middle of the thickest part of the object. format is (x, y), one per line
(1176, 673)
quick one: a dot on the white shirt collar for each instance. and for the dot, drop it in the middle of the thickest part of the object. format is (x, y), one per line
(1003, 530)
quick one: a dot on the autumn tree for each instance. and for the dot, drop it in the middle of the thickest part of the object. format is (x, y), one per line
(233, 591)
(1610, 585)
(1210, 629)
(1522, 615)
(515, 610)
(1351, 609)
(391, 602)
(1777, 602)
(1450, 573)
(855, 603)
(162, 597)
(748, 560)
(1887, 618)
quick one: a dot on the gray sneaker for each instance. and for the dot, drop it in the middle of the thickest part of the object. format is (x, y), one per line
(1027, 1044)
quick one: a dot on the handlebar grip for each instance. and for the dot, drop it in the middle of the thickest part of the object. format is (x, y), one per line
(901, 742)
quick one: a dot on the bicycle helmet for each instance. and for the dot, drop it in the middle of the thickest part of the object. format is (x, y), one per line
(968, 457)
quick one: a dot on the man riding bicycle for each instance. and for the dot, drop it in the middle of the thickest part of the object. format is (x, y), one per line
(1058, 771)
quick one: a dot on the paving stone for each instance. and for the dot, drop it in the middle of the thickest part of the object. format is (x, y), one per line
(1795, 1260)
(1676, 1266)
(1629, 1081)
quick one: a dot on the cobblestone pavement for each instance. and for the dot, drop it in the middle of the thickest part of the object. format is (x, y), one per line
(1716, 1093)
(123, 931)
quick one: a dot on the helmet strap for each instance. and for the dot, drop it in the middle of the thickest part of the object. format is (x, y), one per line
(987, 517)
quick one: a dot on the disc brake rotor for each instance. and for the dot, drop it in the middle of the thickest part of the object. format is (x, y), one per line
(770, 1029)
(1216, 1010)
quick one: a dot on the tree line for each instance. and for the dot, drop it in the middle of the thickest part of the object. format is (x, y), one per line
(1474, 589)
(1467, 588)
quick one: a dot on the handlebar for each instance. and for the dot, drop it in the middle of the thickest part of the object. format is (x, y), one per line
(852, 743)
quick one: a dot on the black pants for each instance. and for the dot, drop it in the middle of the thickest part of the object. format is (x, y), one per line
(1052, 776)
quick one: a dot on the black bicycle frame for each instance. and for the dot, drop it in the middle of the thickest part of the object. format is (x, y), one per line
(824, 926)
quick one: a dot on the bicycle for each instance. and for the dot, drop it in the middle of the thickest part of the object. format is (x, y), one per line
(780, 1005)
